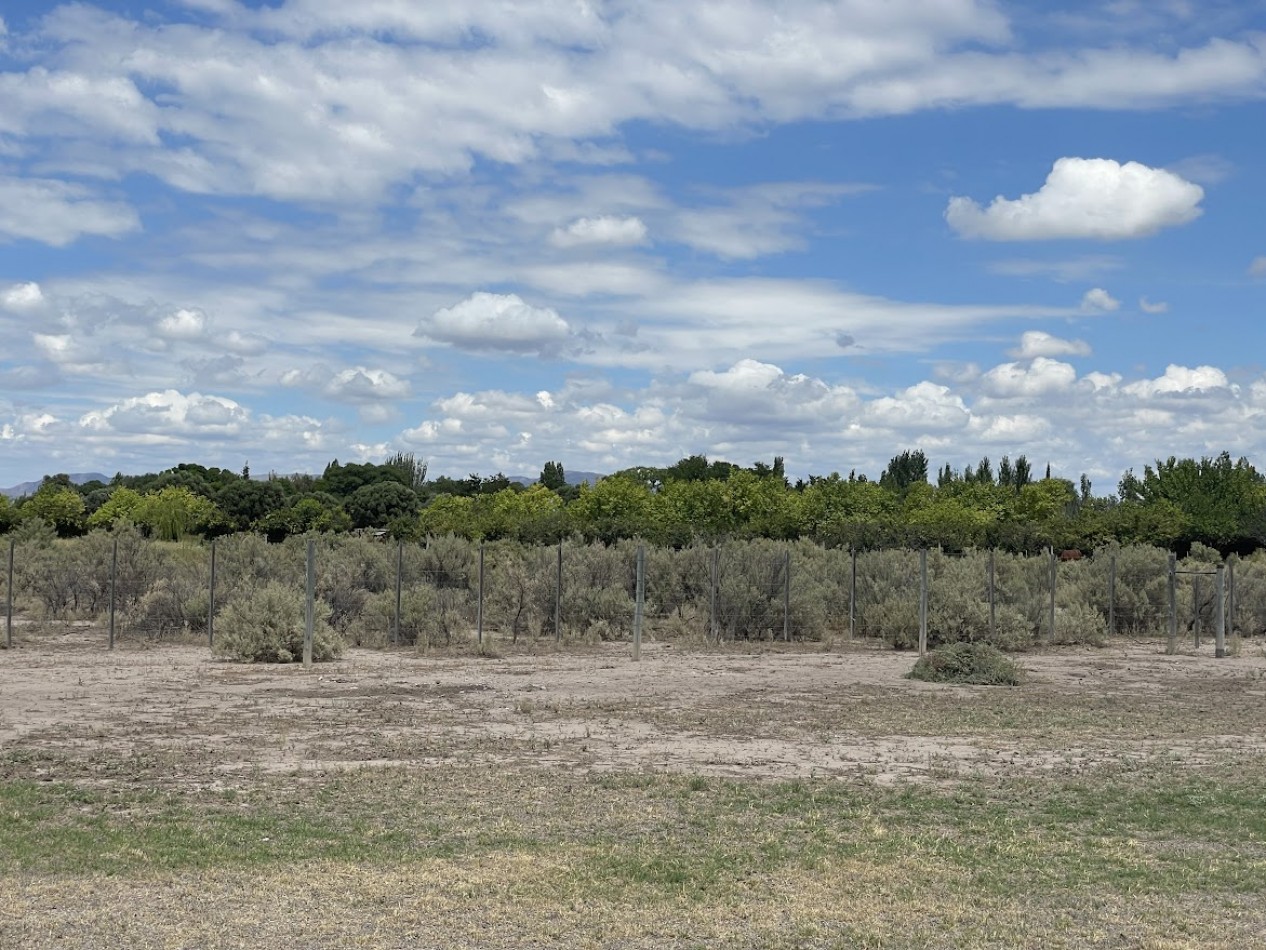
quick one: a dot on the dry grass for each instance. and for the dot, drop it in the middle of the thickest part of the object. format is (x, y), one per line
(786, 798)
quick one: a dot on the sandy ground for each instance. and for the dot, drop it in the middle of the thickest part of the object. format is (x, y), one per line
(179, 717)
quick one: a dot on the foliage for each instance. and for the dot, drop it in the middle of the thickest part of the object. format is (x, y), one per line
(267, 626)
(975, 664)
(379, 504)
(60, 507)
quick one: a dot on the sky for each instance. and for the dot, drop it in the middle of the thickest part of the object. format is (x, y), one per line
(614, 233)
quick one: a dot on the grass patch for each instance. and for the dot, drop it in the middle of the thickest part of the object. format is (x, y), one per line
(975, 664)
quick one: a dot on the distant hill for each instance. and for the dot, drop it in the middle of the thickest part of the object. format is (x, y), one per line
(573, 478)
(28, 488)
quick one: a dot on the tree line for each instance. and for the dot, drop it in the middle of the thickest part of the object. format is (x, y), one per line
(1175, 503)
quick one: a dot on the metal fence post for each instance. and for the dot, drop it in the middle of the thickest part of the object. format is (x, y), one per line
(1230, 595)
(714, 579)
(1112, 596)
(923, 601)
(8, 606)
(852, 592)
(993, 607)
(114, 582)
(558, 598)
(395, 617)
(637, 606)
(1172, 647)
(1195, 609)
(309, 619)
(211, 600)
(1219, 630)
(1054, 581)
(786, 597)
(479, 610)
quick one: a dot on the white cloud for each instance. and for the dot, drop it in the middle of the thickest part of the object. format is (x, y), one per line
(1098, 300)
(606, 229)
(168, 414)
(924, 407)
(1040, 377)
(1148, 306)
(485, 321)
(183, 325)
(22, 297)
(58, 213)
(361, 384)
(1084, 198)
(1258, 267)
(1035, 343)
(1180, 379)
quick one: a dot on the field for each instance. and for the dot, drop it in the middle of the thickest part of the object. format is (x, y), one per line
(759, 796)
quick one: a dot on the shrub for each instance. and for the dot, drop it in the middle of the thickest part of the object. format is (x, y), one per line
(266, 625)
(977, 664)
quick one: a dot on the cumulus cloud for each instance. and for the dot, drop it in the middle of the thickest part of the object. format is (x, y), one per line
(1180, 379)
(1148, 306)
(22, 297)
(170, 413)
(183, 325)
(361, 384)
(59, 213)
(924, 407)
(1035, 343)
(1098, 300)
(492, 322)
(1042, 376)
(606, 229)
(1258, 267)
(1084, 198)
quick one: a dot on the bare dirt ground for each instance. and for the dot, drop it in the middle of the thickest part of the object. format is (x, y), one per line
(775, 712)
(516, 778)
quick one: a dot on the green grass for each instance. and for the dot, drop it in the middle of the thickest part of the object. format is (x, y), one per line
(1129, 832)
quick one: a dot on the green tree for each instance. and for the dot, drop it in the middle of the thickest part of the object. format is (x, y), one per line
(174, 512)
(120, 506)
(377, 505)
(58, 506)
(245, 502)
(553, 477)
(908, 468)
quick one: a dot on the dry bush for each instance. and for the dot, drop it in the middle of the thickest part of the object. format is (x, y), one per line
(266, 625)
(974, 664)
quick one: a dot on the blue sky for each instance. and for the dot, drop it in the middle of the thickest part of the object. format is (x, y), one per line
(614, 233)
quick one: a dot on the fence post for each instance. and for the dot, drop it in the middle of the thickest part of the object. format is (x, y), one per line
(852, 592)
(923, 601)
(1172, 647)
(714, 580)
(114, 581)
(309, 617)
(1054, 581)
(993, 606)
(1112, 596)
(395, 617)
(786, 597)
(637, 606)
(1219, 631)
(1195, 608)
(211, 601)
(558, 598)
(1230, 595)
(8, 606)
(479, 610)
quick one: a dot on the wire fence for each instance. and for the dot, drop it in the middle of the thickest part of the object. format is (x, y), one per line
(120, 588)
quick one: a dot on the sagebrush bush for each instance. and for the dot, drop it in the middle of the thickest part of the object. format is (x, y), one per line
(975, 664)
(266, 625)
